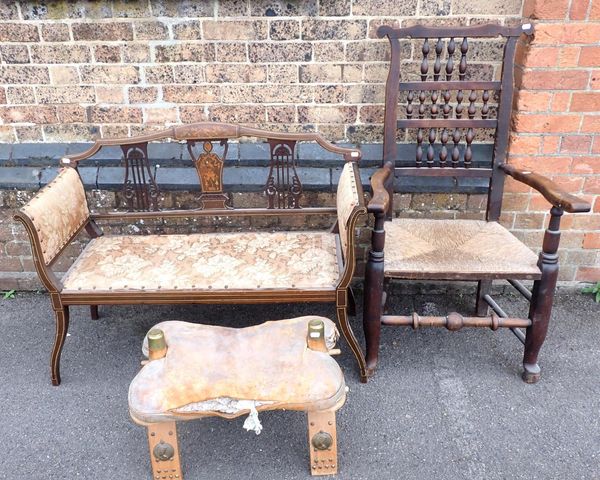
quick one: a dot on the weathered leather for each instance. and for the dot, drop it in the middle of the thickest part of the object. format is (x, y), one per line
(268, 363)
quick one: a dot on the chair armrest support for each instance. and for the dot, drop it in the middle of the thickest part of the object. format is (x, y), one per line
(380, 201)
(550, 190)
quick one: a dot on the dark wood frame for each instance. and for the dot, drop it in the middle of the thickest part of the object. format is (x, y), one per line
(382, 182)
(340, 294)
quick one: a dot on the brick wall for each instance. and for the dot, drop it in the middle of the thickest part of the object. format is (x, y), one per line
(73, 71)
(557, 128)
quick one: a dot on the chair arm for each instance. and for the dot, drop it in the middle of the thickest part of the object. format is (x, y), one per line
(550, 190)
(380, 201)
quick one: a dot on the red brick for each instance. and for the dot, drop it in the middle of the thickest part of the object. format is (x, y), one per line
(596, 145)
(596, 208)
(590, 221)
(513, 186)
(116, 114)
(521, 144)
(595, 80)
(551, 144)
(529, 221)
(586, 165)
(553, 80)
(591, 123)
(546, 10)
(571, 33)
(568, 57)
(524, 123)
(544, 165)
(588, 274)
(561, 101)
(595, 10)
(578, 9)
(585, 102)
(590, 240)
(569, 183)
(592, 185)
(589, 57)
(535, 57)
(537, 203)
(576, 144)
(533, 101)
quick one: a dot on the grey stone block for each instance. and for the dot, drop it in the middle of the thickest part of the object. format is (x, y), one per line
(26, 178)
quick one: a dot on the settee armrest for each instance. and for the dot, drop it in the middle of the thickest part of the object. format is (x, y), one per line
(550, 190)
(380, 201)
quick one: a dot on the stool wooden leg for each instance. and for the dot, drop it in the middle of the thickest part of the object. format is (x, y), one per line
(322, 442)
(164, 451)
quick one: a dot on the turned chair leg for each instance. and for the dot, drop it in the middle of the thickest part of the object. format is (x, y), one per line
(374, 296)
(94, 312)
(542, 297)
(322, 442)
(164, 450)
(62, 326)
(484, 288)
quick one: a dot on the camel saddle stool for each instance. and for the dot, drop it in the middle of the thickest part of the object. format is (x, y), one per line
(195, 371)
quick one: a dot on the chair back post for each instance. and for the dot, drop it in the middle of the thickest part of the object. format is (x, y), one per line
(494, 205)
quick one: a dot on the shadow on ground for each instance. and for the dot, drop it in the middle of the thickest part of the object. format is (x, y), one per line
(441, 406)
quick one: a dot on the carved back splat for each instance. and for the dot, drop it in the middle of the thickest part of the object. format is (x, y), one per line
(139, 187)
(283, 186)
(210, 172)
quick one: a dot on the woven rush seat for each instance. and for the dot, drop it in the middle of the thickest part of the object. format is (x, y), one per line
(203, 370)
(456, 249)
(218, 261)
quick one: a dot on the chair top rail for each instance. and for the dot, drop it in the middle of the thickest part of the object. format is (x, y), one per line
(212, 131)
(487, 30)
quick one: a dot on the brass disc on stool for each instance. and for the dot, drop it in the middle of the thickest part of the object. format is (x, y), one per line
(322, 440)
(163, 451)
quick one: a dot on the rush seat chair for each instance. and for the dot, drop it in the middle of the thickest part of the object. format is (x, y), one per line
(458, 127)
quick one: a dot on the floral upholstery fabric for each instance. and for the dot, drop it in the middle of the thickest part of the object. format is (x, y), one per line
(269, 364)
(58, 211)
(218, 261)
(346, 200)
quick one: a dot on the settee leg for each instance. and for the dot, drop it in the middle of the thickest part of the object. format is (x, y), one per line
(484, 288)
(322, 442)
(62, 325)
(542, 297)
(351, 303)
(94, 312)
(164, 450)
(352, 342)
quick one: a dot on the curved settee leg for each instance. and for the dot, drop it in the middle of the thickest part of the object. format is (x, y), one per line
(352, 342)
(62, 325)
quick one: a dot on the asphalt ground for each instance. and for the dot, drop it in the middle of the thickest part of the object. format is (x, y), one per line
(441, 406)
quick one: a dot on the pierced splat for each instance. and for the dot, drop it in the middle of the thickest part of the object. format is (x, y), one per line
(209, 166)
(283, 188)
(139, 187)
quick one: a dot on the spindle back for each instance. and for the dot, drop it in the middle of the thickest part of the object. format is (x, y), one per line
(446, 109)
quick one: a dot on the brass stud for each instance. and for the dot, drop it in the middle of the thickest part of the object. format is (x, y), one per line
(330, 422)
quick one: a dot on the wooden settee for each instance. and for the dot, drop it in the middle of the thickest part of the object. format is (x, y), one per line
(210, 268)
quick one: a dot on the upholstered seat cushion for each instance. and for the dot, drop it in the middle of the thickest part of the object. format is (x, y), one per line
(455, 249)
(269, 365)
(217, 261)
